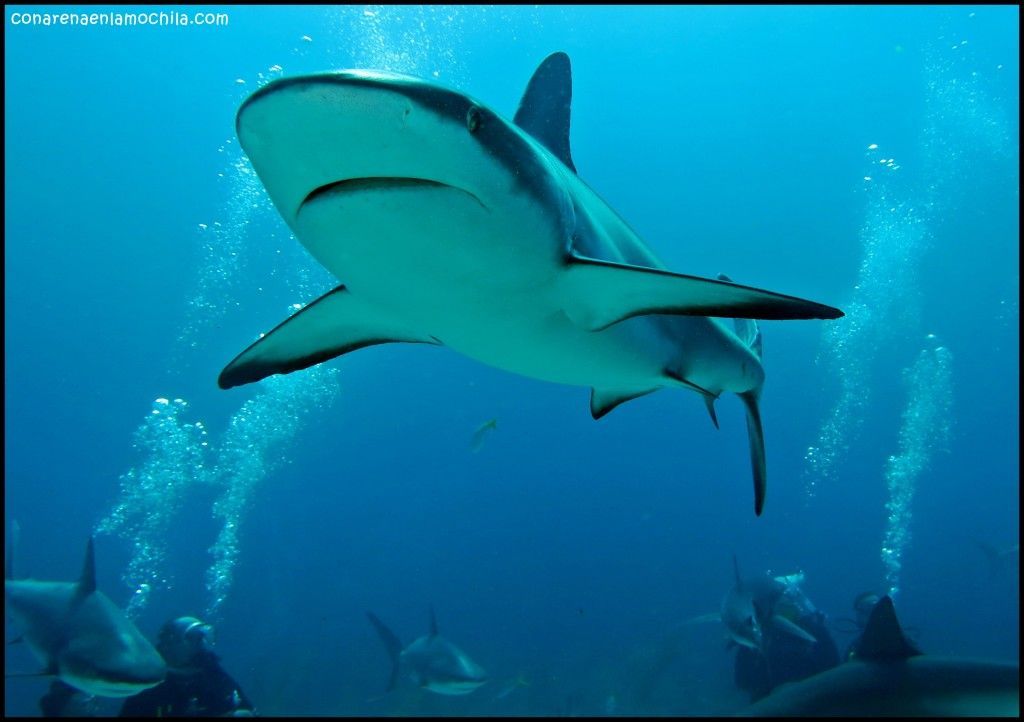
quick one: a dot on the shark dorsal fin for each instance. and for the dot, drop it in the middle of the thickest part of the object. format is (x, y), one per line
(433, 622)
(883, 638)
(87, 583)
(544, 110)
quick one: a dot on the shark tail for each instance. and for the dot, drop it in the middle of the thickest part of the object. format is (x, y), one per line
(748, 331)
(393, 645)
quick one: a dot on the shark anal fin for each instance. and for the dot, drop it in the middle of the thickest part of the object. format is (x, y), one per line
(601, 293)
(544, 110)
(332, 325)
(756, 438)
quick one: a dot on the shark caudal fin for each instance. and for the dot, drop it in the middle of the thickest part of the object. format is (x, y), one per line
(750, 334)
(393, 645)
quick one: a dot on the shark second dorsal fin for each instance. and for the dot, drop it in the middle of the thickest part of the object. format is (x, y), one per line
(883, 639)
(87, 583)
(433, 622)
(544, 110)
(746, 328)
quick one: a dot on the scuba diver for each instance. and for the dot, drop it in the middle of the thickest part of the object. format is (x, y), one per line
(196, 684)
(794, 643)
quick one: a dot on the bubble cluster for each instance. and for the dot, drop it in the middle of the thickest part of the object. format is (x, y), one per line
(254, 444)
(925, 430)
(174, 461)
(962, 122)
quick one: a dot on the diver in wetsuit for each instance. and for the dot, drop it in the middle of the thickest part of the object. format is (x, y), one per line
(785, 657)
(196, 684)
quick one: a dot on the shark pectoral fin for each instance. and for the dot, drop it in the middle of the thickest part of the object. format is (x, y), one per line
(601, 293)
(705, 618)
(330, 326)
(785, 625)
(756, 438)
(604, 400)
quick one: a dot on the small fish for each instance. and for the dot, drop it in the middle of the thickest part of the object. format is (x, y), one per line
(481, 433)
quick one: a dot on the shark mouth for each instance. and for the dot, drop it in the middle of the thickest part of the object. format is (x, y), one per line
(376, 184)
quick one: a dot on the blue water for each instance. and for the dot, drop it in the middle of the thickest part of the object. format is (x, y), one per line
(142, 255)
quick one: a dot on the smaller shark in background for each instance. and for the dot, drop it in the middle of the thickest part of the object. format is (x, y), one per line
(752, 606)
(888, 676)
(79, 635)
(434, 663)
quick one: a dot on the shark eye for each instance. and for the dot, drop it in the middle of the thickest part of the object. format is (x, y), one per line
(472, 118)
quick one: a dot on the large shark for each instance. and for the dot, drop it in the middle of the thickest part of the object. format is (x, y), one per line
(80, 636)
(449, 224)
(433, 662)
(889, 676)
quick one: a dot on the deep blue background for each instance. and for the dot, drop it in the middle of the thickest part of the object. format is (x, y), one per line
(732, 139)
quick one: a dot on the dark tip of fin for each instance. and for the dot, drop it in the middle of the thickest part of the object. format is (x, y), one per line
(757, 458)
(883, 639)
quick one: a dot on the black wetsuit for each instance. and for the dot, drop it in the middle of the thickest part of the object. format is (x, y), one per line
(786, 658)
(63, 700)
(209, 692)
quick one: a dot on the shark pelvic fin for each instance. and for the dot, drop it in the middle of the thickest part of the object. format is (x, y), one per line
(604, 400)
(709, 401)
(756, 438)
(883, 638)
(601, 293)
(544, 110)
(330, 326)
